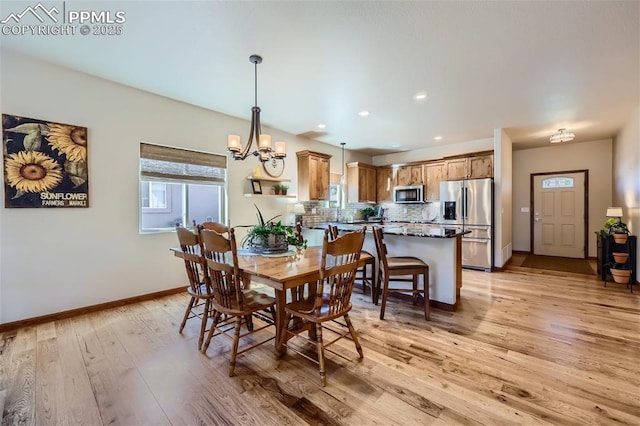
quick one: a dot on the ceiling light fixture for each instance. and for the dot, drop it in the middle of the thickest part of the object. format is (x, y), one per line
(363, 113)
(420, 96)
(264, 152)
(322, 126)
(561, 136)
(437, 138)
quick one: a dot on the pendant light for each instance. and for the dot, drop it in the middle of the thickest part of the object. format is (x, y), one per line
(264, 152)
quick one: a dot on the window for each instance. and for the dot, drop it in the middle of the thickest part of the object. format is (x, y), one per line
(155, 196)
(180, 187)
(558, 182)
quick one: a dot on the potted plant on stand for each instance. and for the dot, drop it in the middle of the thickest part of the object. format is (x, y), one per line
(620, 272)
(618, 229)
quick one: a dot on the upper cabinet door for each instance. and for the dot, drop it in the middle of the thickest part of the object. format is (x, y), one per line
(384, 184)
(481, 166)
(434, 173)
(410, 175)
(313, 176)
(457, 168)
(361, 183)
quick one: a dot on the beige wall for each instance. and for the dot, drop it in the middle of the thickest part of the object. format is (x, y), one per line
(503, 181)
(433, 153)
(60, 259)
(596, 156)
(626, 172)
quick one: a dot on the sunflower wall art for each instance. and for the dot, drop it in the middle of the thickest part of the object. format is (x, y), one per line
(45, 163)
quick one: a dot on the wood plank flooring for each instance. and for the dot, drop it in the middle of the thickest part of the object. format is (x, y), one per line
(525, 347)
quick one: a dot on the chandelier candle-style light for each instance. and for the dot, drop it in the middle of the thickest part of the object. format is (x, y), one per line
(561, 136)
(264, 152)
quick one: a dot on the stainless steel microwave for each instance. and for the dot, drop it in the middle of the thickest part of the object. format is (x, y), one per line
(408, 194)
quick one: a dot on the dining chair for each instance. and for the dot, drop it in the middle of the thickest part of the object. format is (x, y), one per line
(398, 268)
(332, 299)
(366, 275)
(201, 293)
(232, 298)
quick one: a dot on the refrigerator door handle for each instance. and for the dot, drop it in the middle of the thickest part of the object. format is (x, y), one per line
(464, 203)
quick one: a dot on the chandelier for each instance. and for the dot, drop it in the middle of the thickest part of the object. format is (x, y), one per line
(561, 136)
(264, 152)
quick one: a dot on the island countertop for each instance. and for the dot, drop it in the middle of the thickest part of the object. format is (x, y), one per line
(428, 230)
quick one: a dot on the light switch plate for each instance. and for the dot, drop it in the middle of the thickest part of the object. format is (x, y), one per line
(524, 209)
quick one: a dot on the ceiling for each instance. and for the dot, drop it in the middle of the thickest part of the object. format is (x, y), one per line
(527, 67)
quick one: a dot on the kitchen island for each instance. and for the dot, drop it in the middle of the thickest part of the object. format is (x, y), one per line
(439, 247)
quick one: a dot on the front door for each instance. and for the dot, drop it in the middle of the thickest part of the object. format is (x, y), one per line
(559, 214)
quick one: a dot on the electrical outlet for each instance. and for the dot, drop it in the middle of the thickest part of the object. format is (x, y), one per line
(313, 210)
(404, 210)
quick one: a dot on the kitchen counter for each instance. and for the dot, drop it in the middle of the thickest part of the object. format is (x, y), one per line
(440, 249)
(414, 229)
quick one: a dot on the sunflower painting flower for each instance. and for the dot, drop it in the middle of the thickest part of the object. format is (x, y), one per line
(32, 171)
(69, 140)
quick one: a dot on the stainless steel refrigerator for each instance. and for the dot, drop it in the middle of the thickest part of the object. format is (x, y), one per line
(468, 205)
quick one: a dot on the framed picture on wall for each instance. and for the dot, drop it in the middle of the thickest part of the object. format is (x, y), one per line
(45, 163)
(256, 186)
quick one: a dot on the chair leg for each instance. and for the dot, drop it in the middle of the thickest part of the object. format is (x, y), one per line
(234, 349)
(320, 345)
(216, 319)
(425, 280)
(415, 289)
(378, 286)
(384, 296)
(374, 290)
(205, 318)
(249, 319)
(186, 313)
(354, 336)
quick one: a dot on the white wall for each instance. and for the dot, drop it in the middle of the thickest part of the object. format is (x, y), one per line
(595, 156)
(503, 177)
(59, 259)
(626, 173)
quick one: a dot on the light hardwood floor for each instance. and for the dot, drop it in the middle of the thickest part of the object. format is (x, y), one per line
(525, 347)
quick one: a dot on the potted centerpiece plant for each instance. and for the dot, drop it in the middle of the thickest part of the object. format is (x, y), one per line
(269, 236)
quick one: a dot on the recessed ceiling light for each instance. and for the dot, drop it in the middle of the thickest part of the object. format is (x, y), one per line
(420, 96)
(437, 138)
(363, 113)
(321, 126)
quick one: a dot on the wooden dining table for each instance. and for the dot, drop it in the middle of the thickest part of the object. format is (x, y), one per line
(283, 274)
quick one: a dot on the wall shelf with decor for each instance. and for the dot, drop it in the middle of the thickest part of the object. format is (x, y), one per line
(265, 187)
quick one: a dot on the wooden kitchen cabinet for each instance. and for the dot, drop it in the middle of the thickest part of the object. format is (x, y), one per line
(470, 167)
(313, 175)
(434, 173)
(361, 183)
(411, 174)
(481, 166)
(384, 184)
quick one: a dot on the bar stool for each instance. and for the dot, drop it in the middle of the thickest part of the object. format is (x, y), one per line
(362, 274)
(397, 268)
